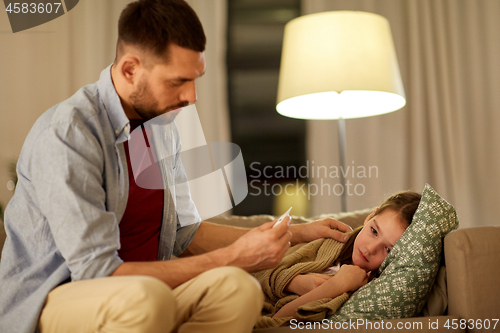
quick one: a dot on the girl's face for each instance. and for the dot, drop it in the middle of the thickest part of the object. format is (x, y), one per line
(376, 239)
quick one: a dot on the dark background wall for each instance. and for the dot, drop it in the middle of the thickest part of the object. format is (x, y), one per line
(267, 139)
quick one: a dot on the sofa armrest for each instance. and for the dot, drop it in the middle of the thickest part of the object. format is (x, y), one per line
(473, 271)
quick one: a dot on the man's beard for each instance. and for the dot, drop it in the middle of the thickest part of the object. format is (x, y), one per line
(146, 106)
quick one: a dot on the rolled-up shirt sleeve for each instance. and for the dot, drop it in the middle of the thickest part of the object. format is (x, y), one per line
(67, 173)
(188, 217)
(184, 237)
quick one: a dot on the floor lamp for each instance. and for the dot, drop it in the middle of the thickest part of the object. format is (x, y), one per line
(339, 65)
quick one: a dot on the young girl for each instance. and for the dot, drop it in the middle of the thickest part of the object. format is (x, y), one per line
(327, 269)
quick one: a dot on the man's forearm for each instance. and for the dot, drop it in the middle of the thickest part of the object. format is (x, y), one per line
(252, 250)
(210, 237)
(176, 272)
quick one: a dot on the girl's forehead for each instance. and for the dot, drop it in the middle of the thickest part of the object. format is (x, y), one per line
(389, 226)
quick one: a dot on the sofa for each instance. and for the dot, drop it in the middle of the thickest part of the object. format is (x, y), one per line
(465, 297)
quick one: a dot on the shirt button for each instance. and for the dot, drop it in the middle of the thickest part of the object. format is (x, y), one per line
(126, 128)
(117, 132)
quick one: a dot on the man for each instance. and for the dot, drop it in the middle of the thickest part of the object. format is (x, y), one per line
(83, 238)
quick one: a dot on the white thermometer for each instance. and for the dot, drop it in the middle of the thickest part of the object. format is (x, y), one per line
(282, 217)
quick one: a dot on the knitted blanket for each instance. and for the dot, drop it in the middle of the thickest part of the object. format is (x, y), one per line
(313, 257)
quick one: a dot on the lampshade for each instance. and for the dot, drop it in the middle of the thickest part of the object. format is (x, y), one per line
(339, 64)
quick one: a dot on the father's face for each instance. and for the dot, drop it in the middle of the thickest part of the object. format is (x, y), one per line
(170, 86)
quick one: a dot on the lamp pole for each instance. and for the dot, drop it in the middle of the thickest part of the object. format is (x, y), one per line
(348, 53)
(342, 150)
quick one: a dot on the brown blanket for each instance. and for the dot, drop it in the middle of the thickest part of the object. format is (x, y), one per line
(313, 257)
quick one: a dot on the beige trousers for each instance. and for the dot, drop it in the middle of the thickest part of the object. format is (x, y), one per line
(225, 299)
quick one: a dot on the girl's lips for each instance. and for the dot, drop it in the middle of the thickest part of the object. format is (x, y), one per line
(362, 256)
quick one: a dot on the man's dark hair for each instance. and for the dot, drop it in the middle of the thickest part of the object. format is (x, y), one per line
(152, 25)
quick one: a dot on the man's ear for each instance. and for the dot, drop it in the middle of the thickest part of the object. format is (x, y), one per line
(130, 67)
(369, 217)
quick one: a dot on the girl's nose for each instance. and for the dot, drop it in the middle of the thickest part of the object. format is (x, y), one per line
(371, 248)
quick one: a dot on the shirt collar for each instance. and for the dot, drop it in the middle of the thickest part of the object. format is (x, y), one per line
(113, 106)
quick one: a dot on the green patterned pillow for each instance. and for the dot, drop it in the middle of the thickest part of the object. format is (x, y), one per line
(409, 270)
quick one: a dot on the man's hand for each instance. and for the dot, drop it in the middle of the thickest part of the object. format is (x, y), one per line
(261, 248)
(327, 228)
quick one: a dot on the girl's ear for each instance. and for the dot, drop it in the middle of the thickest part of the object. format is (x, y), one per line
(369, 217)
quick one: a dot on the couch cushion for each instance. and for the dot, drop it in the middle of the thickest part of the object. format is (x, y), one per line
(408, 272)
(353, 219)
(473, 273)
(241, 221)
(438, 299)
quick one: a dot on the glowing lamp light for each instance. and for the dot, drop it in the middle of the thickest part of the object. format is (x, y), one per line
(339, 65)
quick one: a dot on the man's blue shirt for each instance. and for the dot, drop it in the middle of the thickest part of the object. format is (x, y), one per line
(72, 190)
